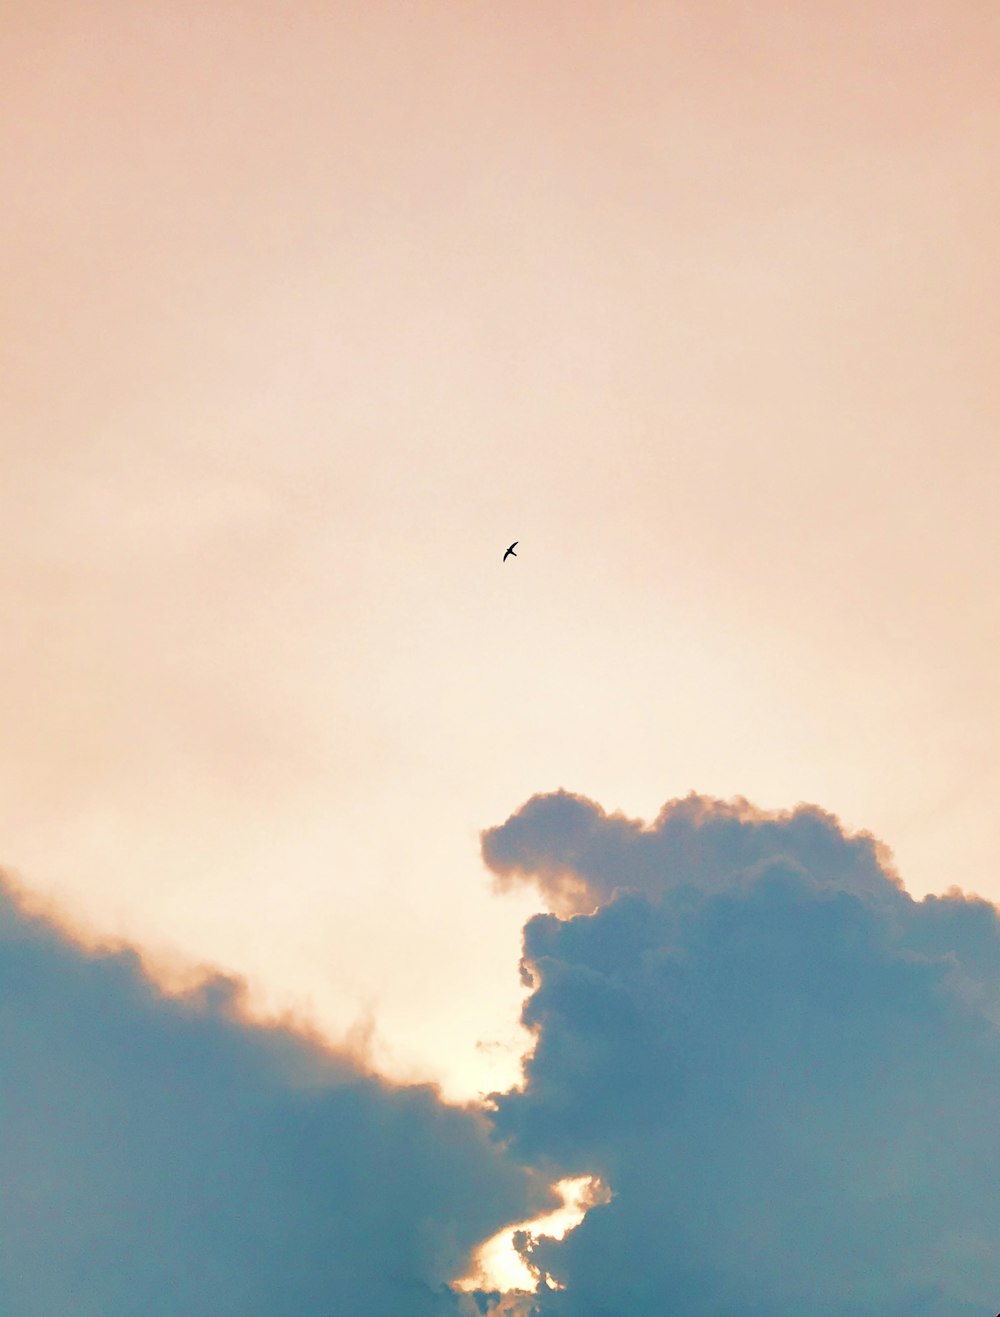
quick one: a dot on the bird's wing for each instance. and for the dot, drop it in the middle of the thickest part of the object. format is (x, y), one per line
(511, 549)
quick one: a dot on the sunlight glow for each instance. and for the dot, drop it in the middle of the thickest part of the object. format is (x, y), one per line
(499, 1265)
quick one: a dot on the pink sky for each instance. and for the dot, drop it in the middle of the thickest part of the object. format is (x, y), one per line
(309, 311)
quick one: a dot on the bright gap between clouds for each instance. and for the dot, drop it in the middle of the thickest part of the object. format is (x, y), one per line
(498, 1265)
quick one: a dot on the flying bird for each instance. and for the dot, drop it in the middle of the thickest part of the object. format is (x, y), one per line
(510, 552)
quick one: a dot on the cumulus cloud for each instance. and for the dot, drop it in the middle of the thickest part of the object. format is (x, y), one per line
(166, 1156)
(579, 856)
(785, 1068)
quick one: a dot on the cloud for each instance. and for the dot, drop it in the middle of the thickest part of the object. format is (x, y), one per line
(166, 1156)
(785, 1068)
(578, 855)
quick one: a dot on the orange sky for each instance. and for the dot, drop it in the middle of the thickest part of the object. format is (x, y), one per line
(309, 311)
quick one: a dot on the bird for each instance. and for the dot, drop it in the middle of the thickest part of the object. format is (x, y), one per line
(510, 552)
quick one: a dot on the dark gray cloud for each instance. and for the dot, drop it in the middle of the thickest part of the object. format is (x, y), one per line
(163, 1156)
(785, 1068)
(579, 856)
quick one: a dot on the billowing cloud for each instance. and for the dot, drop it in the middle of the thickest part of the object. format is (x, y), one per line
(165, 1156)
(579, 856)
(786, 1069)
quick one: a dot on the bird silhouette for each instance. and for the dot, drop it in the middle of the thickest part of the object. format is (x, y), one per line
(510, 552)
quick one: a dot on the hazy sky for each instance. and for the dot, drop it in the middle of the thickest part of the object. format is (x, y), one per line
(309, 310)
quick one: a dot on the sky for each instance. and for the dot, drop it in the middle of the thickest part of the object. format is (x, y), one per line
(308, 312)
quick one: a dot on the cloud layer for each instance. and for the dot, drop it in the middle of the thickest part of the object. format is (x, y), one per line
(786, 1069)
(163, 1156)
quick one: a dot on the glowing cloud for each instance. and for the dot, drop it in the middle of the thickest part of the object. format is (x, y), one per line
(503, 1263)
(787, 1070)
(166, 1155)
